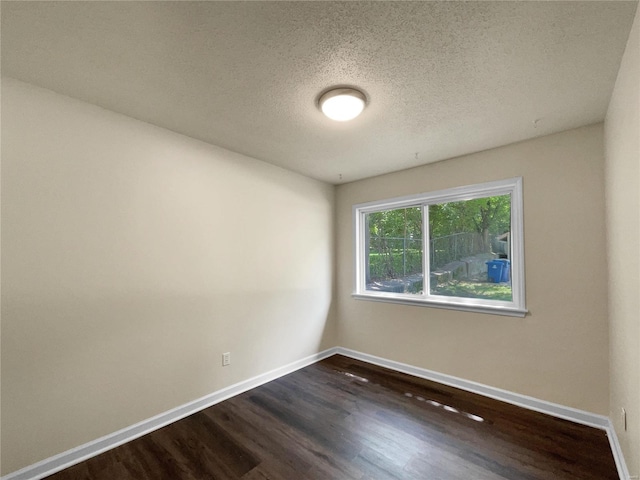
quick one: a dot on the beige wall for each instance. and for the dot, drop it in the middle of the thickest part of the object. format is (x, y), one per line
(132, 257)
(622, 139)
(557, 353)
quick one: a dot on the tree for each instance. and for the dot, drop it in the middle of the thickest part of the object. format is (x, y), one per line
(399, 223)
(391, 234)
(485, 216)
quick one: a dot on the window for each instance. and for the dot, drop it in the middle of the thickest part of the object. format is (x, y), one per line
(460, 248)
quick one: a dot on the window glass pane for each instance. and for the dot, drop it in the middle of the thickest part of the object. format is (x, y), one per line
(470, 248)
(394, 251)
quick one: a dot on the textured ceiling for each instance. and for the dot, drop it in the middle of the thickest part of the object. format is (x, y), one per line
(443, 78)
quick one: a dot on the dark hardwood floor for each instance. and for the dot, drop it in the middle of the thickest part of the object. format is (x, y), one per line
(345, 419)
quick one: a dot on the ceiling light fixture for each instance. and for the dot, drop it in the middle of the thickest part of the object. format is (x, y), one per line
(342, 104)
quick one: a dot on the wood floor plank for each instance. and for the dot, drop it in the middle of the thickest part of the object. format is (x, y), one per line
(345, 419)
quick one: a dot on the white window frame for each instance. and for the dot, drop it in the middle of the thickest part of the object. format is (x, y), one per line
(512, 186)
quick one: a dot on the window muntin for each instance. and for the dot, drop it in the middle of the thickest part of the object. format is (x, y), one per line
(467, 231)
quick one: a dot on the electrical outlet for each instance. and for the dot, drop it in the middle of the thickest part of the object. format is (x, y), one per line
(226, 359)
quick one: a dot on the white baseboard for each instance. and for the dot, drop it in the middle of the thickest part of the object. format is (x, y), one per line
(621, 465)
(560, 411)
(76, 455)
(79, 454)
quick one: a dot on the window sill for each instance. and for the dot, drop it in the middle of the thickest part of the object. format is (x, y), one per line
(421, 302)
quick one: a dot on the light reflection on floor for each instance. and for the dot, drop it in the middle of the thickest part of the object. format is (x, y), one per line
(448, 408)
(362, 379)
(419, 398)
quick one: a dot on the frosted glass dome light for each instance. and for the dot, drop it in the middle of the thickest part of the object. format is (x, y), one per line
(342, 104)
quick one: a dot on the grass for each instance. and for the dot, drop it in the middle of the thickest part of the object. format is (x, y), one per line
(466, 289)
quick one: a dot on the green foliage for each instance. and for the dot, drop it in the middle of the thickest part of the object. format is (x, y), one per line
(395, 243)
(400, 223)
(395, 262)
(487, 216)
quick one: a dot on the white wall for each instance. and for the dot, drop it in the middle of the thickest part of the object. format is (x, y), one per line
(132, 257)
(622, 139)
(557, 353)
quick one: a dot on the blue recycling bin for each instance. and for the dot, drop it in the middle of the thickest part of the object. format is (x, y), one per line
(505, 269)
(494, 271)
